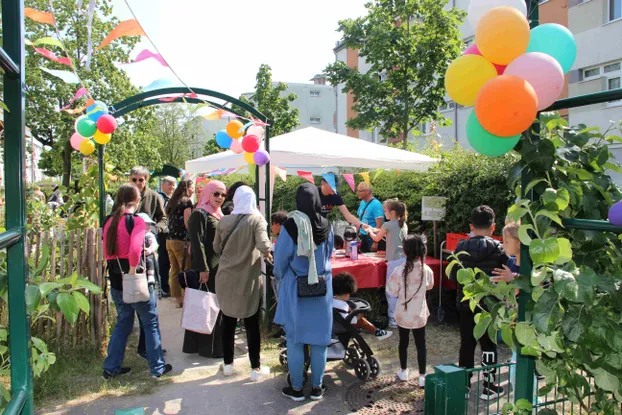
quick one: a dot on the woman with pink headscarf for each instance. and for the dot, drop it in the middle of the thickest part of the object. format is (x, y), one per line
(202, 230)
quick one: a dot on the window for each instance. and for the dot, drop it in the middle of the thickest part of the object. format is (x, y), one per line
(615, 9)
(590, 73)
(314, 93)
(315, 120)
(613, 83)
(447, 107)
(612, 67)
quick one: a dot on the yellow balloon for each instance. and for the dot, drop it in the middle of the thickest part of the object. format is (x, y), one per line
(502, 35)
(233, 129)
(248, 157)
(466, 76)
(101, 138)
(87, 147)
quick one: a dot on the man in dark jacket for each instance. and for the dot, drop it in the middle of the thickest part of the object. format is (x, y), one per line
(484, 253)
(167, 187)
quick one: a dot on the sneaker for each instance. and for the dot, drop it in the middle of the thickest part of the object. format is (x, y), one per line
(392, 323)
(491, 392)
(383, 334)
(422, 381)
(167, 369)
(402, 374)
(318, 393)
(293, 394)
(107, 375)
(227, 370)
(258, 374)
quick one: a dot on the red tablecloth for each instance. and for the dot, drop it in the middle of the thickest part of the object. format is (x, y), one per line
(371, 272)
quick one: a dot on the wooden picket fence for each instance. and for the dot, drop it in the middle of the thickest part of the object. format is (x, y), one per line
(81, 251)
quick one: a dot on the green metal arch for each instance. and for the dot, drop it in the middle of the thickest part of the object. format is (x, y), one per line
(156, 101)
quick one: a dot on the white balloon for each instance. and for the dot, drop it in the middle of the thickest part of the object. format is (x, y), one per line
(478, 8)
(256, 130)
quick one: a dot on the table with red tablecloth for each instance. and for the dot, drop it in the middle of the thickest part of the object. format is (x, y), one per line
(371, 272)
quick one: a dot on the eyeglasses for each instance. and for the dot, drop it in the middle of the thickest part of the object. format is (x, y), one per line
(218, 194)
(362, 190)
(139, 180)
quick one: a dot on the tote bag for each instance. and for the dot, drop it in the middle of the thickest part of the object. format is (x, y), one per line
(200, 311)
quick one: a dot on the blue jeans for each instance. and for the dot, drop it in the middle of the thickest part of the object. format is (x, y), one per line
(296, 361)
(148, 316)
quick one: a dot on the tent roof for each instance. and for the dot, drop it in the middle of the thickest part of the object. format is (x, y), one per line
(310, 148)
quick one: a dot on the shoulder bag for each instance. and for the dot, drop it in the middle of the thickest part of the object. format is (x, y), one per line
(135, 286)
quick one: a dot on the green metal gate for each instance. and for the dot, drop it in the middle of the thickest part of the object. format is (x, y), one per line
(14, 239)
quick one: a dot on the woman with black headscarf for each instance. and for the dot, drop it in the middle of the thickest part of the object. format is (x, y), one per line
(302, 256)
(227, 206)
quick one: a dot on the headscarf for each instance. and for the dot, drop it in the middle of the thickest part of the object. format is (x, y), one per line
(227, 207)
(244, 202)
(308, 202)
(206, 194)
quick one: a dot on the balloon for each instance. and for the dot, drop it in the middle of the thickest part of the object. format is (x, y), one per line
(615, 213)
(250, 143)
(506, 105)
(223, 139)
(249, 158)
(87, 147)
(473, 50)
(75, 141)
(261, 157)
(233, 129)
(85, 126)
(554, 40)
(478, 8)
(485, 143)
(502, 35)
(96, 110)
(256, 130)
(542, 72)
(101, 138)
(107, 124)
(236, 146)
(466, 76)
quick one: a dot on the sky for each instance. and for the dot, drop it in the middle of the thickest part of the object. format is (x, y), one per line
(219, 45)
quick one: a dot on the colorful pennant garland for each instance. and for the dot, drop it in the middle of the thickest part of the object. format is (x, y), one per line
(365, 176)
(330, 179)
(39, 17)
(147, 54)
(282, 173)
(349, 178)
(80, 92)
(306, 175)
(125, 28)
(51, 56)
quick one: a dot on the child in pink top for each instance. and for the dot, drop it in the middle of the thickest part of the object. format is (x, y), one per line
(409, 283)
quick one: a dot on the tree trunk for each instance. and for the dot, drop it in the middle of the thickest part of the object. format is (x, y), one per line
(67, 164)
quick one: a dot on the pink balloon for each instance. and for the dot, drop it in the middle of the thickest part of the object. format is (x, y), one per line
(75, 141)
(543, 72)
(236, 146)
(473, 50)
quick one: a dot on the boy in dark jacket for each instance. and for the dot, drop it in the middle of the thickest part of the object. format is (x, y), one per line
(486, 254)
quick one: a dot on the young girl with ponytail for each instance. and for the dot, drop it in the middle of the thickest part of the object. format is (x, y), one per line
(409, 283)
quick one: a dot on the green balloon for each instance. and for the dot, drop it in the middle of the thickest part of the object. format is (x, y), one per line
(485, 143)
(86, 127)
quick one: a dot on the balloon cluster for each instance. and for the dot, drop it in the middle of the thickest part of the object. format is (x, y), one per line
(96, 126)
(233, 138)
(509, 74)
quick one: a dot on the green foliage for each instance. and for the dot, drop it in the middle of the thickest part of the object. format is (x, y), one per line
(269, 99)
(407, 45)
(211, 147)
(575, 319)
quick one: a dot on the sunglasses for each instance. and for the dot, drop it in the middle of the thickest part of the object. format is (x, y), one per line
(218, 194)
(135, 180)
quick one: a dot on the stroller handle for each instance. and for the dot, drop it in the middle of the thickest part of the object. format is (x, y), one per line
(358, 306)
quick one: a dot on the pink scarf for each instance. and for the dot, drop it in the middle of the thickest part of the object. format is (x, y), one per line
(207, 194)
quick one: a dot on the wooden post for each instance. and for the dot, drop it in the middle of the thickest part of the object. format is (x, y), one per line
(93, 278)
(100, 281)
(37, 248)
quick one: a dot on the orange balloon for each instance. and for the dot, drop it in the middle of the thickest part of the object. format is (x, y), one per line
(233, 129)
(506, 106)
(502, 35)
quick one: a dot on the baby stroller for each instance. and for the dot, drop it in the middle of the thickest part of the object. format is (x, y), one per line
(347, 345)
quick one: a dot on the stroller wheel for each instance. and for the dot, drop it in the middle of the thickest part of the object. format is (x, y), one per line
(362, 369)
(283, 357)
(352, 355)
(305, 378)
(374, 366)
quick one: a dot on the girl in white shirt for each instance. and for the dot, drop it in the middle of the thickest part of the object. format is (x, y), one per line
(409, 283)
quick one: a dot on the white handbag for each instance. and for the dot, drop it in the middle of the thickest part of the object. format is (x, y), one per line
(135, 287)
(200, 311)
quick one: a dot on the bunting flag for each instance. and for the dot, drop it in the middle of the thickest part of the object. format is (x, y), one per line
(171, 99)
(51, 56)
(66, 76)
(147, 54)
(158, 83)
(245, 126)
(306, 175)
(201, 181)
(125, 28)
(75, 111)
(330, 179)
(39, 17)
(214, 116)
(349, 178)
(282, 173)
(80, 92)
(89, 32)
(399, 172)
(365, 176)
(258, 123)
(378, 173)
(49, 41)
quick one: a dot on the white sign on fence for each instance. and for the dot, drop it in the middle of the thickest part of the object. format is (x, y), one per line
(433, 208)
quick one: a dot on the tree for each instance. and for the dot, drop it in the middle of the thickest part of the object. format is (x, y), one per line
(269, 99)
(408, 45)
(46, 94)
(211, 147)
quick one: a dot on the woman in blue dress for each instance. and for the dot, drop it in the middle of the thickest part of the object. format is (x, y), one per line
(304, 248)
